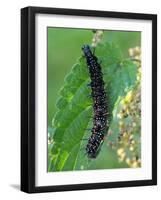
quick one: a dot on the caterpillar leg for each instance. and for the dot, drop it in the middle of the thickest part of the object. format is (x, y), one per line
(89, 85)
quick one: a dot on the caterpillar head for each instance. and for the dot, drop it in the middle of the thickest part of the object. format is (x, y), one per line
(87, 51)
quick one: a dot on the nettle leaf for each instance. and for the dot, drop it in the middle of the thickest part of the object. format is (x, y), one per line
(74, 115)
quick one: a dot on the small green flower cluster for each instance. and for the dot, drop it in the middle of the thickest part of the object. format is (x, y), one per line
(98, 35)
(129, 120)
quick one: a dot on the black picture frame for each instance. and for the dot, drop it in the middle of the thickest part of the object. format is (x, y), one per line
(28, 98)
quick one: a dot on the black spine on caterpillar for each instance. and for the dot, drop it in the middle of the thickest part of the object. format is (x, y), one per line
(100, 108)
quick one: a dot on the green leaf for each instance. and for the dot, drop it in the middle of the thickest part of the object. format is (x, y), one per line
(75, 106)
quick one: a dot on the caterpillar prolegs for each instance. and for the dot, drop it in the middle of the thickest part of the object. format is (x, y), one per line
(100, 108)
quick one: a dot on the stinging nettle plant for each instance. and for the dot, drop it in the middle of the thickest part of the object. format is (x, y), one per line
(73, 119)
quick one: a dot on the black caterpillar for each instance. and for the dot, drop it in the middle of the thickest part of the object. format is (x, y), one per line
(100, 108)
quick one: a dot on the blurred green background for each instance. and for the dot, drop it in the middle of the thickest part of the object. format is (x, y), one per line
(64, 48)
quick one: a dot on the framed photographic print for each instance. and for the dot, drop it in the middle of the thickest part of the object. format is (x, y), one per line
(88, 99)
